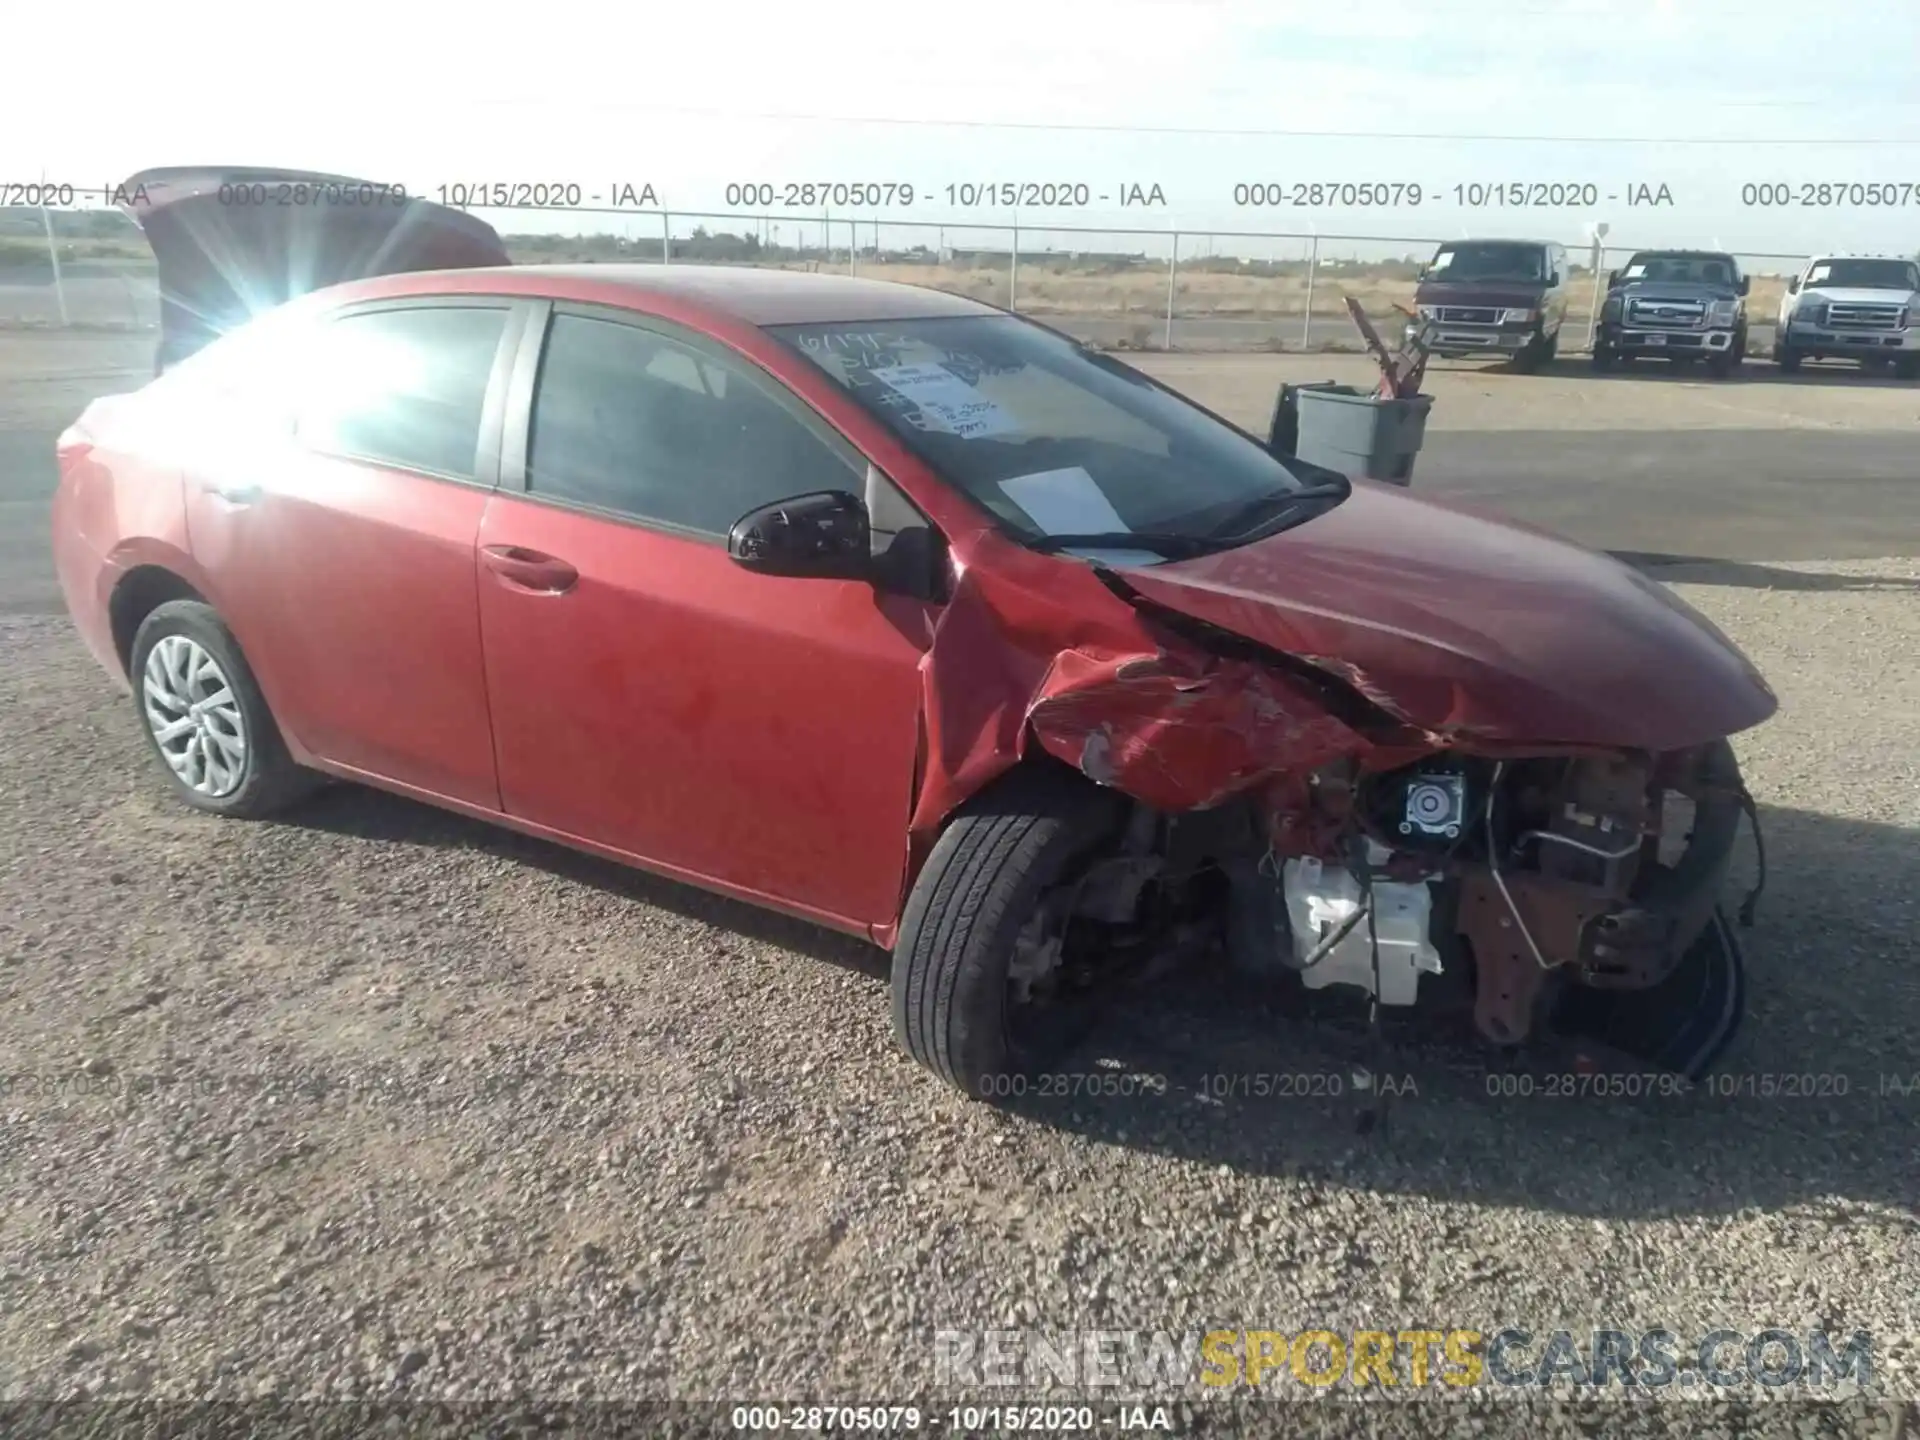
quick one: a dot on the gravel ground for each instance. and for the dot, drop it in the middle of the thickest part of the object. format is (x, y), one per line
(374, 1100)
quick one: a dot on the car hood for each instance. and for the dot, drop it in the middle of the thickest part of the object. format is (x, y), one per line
(221, 261)
(1504, 294)
(1856, 295)
(1475, 628)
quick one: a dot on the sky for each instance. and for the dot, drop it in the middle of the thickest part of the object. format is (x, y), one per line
(1608, 100)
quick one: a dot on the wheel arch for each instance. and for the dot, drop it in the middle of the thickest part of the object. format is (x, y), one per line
(137, 594)
(1034, 770)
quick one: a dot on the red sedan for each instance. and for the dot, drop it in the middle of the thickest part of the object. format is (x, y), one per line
(907, 615)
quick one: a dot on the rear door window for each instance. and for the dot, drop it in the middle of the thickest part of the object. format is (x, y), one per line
(402, 387)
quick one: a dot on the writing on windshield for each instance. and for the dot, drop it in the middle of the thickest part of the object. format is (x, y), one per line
(1682, 269)
(1490, 261)
(1866, 274)
(1048, 437)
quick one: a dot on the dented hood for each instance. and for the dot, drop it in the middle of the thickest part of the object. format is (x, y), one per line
(1476, 628)
(231, 241)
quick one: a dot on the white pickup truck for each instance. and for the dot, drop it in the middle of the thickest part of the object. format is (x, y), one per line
(1852, 307)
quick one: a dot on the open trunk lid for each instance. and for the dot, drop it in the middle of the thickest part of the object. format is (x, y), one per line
(230, 242)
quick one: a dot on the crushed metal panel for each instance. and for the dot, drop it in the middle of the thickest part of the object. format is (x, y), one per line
(1178, 729)
(1031, 648)
(1509, 975)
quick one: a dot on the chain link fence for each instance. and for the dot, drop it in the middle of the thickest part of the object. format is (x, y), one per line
(1119, 288)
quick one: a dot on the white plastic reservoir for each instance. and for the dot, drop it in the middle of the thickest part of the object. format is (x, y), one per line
(1321, 898)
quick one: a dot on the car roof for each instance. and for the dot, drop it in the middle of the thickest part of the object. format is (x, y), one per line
(1500, 240)
(1686, 254)
(743, 293)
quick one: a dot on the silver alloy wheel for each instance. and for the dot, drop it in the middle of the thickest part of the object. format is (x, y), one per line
(195, 717)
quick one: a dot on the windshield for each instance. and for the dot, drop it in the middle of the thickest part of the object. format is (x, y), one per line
(1488, 260)
(1866, 274)
(1682, 269)
(1052, 439)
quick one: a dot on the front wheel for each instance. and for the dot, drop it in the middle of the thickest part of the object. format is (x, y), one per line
(1907, 367)
(982, 988)
(205, 718)
(1787, 358)
(1603, 358)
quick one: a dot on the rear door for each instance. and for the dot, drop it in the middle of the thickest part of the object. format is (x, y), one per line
(648, 695)
(340, 537)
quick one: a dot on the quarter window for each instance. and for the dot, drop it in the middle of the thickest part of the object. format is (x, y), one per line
(403, 387)
(630, 420)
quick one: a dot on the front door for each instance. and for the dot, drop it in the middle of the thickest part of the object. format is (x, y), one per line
(649, 695)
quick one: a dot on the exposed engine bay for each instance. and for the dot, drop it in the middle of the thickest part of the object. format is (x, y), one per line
(1534, 881)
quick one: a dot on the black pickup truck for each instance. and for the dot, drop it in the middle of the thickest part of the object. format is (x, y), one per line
(1680, 306)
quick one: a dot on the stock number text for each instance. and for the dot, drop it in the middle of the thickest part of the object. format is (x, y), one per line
(807, 1418)
(281, 193)
(1883, 194)
(808, 194)
(1269, 194)
(1009, 1084)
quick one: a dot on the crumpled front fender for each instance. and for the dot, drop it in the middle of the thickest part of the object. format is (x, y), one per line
(1126, 702)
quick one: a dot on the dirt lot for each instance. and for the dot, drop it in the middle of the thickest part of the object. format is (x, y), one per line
(373, 1100)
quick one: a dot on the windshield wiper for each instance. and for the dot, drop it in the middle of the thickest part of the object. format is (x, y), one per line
(1171, 547)
(1187, 547)
(1240, 524)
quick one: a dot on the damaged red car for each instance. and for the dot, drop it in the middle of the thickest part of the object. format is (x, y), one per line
(897, 612)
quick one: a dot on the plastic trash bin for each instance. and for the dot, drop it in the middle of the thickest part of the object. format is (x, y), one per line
(1356, 433)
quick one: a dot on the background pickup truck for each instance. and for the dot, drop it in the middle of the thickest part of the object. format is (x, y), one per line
(1677, 305)
(1852, 307)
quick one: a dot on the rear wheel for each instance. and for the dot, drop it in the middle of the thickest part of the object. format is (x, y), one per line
(982, 991)
(205, 718)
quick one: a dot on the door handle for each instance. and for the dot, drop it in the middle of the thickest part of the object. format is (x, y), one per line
(529, 569)
(235, 494)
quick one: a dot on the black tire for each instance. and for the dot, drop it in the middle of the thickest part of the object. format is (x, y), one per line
(1603, 358)
(269, 779)
(1722, 366)
(979, 887)
(1787, 358)
(1529, 357)
(1907, 367)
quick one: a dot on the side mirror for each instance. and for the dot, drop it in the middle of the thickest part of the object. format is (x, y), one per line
(1746, 283)
(1793, 285)
(1613, 280)
(824, 536)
